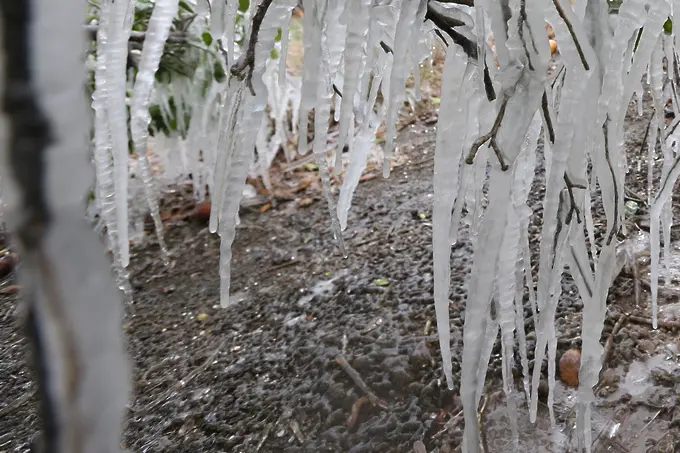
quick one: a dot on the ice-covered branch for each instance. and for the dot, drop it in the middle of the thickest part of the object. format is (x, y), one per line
(139, 36)
(491, 137)
(243, 67)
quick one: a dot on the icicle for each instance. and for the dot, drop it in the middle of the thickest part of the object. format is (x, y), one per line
(356, 38)
(357, 163)
(230, 31)
(402, 36)
(446, 158)
(239, 141)
(283, 53)
(312, 41)
(164, 12)
(119, 28)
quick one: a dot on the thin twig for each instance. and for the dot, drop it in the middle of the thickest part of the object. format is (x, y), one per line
(480, 421)
(609, 345)
(546, 116)
(356, 378)
(574, 206)
(615, 227)
(491, 137)
(356, 410)
(450, 424)
(244, 66)
(570, 27)
(668, 325)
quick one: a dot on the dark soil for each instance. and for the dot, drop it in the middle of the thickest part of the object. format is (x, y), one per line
(262, 374)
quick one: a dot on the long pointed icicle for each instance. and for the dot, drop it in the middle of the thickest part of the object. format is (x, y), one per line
(119, 29)
(164, 12)
(447, 155)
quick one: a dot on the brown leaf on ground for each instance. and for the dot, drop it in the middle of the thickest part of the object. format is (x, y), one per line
(265, 207)
(11, 289)
(305, 202)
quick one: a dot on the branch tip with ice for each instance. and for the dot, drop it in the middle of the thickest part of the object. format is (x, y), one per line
(243, 67)
(605, 132)
(573, 209)
(491, 138)
(570, 27)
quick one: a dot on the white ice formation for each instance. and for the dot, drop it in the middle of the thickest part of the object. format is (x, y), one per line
(497, 104)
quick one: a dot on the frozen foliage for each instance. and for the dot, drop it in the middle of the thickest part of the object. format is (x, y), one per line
(496, 103)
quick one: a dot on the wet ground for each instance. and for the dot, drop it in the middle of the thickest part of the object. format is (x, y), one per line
(265, 375)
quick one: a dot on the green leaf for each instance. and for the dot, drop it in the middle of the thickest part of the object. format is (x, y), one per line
(668, 26)
(382, 282)
(218, 71)
(207, 38)
(185, 6)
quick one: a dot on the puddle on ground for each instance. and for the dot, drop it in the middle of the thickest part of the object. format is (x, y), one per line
(627, 420)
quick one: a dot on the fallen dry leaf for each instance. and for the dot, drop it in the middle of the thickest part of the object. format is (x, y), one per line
(11, 289)
(265, 207)
(305, 202)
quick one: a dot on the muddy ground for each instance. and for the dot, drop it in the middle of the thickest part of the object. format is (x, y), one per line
(262, 375)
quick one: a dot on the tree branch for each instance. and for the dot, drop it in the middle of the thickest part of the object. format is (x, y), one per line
(243, 68)
(570, 27)
(491, 137)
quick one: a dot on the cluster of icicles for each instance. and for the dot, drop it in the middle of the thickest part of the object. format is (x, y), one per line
(361, 48)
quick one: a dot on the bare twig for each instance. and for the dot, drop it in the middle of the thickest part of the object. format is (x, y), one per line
(570, 27)
(574, 206)
(491, 137)
(446, 23)
(354, 375)
(609, 345)
(480, 421)
(615, 227)
(244, 66)
(449, 424)
(546, 116)
(356, 410)
(668, 325)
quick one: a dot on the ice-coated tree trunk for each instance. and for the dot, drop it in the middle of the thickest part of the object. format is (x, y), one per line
(72, 307)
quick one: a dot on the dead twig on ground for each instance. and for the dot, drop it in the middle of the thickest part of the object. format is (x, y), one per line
(356, 378)
(448, 425)
(668, 325)
(356, 410)
(609, 345)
